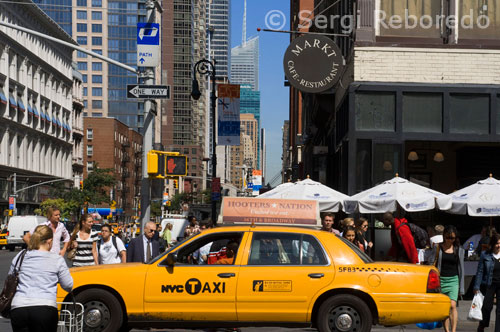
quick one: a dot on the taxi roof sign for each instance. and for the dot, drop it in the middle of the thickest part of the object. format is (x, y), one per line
(285, 212)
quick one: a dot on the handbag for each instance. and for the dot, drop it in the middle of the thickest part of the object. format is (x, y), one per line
(71, 254)
(475, 313)
(10, 286)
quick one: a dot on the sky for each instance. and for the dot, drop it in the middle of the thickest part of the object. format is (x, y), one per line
(274, 95)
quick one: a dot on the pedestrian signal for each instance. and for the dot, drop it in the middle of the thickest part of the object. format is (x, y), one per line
(176, 165)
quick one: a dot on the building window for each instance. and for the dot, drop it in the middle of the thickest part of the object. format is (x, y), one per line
(469, 114)
(193, 150)
(97, 115)
(97, 104)
(85, 91)
(478, 19)
(85, 105)
(81, 14)
(90, 150)
(422, 113)
(97, 16)
(97, 28)
(422, 18)
(81, 27)
(386, 161)
(375, 111)
(97, 66)
(82, 66)
(97, 51)
(96, 78)
(81, 3)
(96, 3)
(90, 166)
(96, 40)
(90, 133)
(97, 92)
(84, 78)
(80, 54)
(82, 40)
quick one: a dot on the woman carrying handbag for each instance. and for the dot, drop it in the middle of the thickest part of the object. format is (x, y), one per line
(488, 281)
(34, 307)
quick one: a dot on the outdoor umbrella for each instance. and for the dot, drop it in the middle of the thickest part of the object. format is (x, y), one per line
(383, 198)
(275, 191)
(481, 199)
(329, 199)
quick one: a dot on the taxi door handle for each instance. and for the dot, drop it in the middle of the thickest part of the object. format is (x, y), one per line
(316, 275)
(226, 275)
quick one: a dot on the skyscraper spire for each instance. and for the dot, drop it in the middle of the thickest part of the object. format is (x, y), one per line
(244, 32)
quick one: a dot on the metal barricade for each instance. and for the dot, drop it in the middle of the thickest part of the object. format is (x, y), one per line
(70, 317)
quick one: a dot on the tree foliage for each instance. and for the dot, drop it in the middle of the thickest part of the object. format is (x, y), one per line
(66, 207)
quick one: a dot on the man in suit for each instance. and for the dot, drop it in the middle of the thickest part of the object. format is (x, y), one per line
(143, 248)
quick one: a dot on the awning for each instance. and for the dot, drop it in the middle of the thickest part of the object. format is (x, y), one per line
(35, 112)
(3, 99)
(12, 101)
(20, 105)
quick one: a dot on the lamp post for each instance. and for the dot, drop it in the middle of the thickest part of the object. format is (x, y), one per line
(206, 67)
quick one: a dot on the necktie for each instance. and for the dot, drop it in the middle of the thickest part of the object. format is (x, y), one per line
(148, 252)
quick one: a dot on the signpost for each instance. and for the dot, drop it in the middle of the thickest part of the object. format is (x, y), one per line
(146, 91)
(148, 44)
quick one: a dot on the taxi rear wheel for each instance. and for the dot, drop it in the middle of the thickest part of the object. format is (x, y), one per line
(344, 313)
(103, 312)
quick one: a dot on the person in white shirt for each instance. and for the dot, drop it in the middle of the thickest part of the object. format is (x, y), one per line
(111, 248)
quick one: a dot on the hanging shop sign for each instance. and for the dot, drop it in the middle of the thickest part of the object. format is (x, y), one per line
(313, 63)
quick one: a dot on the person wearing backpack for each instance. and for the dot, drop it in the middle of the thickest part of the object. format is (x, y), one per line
(403, 244)
(111, 249)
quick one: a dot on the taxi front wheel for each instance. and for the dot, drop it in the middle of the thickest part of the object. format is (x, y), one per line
(103, 312)
(344, 313)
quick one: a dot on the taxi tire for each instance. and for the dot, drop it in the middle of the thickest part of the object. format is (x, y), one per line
(344, 304)
(102, 299)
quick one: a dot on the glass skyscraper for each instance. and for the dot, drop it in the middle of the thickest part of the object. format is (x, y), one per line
(219, 35)
(245, 63)
(250, 104)
(108, 28)
(60, 11)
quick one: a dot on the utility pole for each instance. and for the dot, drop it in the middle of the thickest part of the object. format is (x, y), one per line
(147, 75)
(14, 194)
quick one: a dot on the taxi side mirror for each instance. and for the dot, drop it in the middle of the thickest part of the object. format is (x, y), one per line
(171, 259)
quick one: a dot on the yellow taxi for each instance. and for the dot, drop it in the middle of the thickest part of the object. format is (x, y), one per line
(3, 238)
(287, 276)
(114, 227)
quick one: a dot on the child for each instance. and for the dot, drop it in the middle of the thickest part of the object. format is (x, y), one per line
(350, 235)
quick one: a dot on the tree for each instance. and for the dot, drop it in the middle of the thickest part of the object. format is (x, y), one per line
(156, 209)
(177, 201)
(67, 208)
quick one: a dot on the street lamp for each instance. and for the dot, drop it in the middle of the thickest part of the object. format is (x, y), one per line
(206, 67)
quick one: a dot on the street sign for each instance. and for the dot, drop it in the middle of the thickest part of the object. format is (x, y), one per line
(136, 91)
(148, 44)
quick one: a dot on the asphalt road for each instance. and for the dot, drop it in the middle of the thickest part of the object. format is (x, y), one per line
(464, 325)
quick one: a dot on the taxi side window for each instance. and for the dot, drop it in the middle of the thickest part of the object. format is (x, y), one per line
(216, 249)
(285, 249)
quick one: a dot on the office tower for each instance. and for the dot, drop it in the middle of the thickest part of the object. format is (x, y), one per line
(219, 36)
(245, 63)
(183, 119)
(108, 28)
(250, 104)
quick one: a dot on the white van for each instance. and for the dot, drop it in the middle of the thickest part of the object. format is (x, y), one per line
(20, 225)
(179, 223)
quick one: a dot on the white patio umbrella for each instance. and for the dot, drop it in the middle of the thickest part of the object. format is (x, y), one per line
(275, 191)
(481, 199)
(385, 197)
(329, 200)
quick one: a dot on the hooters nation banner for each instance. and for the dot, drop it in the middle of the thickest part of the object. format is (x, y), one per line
(228, 114)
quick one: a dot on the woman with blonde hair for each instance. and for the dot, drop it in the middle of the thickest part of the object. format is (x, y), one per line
(34, 307)
(84, 239)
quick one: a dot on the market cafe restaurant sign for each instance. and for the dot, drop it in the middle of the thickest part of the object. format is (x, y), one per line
(313, 63)
(247, 210)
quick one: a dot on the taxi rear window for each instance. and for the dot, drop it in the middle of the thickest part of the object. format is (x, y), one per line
(361, 254)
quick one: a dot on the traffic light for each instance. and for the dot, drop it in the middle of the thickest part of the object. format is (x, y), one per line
(81, 185)
(176, 165)
(176, 184)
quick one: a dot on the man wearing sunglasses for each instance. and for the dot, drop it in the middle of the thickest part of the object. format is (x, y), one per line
(145, 247)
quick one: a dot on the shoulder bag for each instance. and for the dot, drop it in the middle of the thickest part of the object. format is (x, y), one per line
(10, 286)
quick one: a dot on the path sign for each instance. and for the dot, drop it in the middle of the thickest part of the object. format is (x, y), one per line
(148, 44)
(142, 91)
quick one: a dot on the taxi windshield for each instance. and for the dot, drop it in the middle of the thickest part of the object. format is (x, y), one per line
(361, 254)
(169, 250)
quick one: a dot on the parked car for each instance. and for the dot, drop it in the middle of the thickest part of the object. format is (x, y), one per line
(20, 225)
(278, 276)
(97, 228)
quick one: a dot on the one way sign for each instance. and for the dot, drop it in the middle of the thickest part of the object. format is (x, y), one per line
(136, 91)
